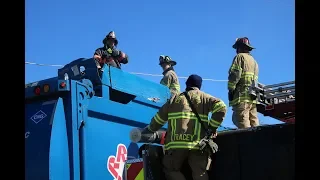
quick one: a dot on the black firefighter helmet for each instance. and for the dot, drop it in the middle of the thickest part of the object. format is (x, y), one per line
(166, 59)
(244, 41)
(111, 35)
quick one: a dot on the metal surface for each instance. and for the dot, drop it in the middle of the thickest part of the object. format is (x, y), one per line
(276, 100)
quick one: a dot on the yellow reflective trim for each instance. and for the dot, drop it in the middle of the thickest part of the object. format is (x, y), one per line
(196, 129)
(173, 128)
(181, 145)
(248, 73)
(187, 117)
(158, 119)
(241, 99)
(218, 106)
(140, 176)
(186, 114)
(150, 128)
(199, 130)
(214, 123)
(175, 85)
(236, 67)
(231, 86)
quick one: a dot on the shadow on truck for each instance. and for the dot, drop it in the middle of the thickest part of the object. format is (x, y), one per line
(77, 127)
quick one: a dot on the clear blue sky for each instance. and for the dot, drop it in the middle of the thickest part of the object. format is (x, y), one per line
(198, 35)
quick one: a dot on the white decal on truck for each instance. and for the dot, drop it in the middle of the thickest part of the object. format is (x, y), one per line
(26, 135)
(37, 117)
(116, 163)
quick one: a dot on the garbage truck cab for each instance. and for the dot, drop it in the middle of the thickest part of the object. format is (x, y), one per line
(77, 127)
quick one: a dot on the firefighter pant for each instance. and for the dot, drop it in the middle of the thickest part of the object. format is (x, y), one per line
(174, 159)
(245, 115)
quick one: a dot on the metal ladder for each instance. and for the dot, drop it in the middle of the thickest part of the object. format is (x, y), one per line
(276, 100)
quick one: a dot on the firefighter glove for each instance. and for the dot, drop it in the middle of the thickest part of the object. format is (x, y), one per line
(148, 136)
(115, 52)
(213, 146)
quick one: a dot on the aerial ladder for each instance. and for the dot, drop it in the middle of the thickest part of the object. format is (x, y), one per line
(276, 100)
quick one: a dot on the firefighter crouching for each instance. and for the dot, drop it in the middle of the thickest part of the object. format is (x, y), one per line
(243, 73)
(108, 54)
(185, 133)
(170, 78)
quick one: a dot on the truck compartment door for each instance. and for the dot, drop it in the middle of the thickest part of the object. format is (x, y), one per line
(46, 144)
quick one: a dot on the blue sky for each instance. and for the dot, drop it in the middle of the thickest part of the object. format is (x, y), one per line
(197, 35)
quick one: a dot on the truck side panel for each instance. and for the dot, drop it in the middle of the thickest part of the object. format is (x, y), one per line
(46, 147)
(105, 148)
(37, 139)
(104, 136)
(134, 114)
(59, 149)
(104, 142)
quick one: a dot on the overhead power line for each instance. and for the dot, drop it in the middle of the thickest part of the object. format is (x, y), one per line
(136, 73)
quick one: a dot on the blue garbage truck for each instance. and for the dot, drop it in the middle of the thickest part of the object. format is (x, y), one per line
(77, 127)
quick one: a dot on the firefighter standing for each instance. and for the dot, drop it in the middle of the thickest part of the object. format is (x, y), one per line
(185, 132)
(170, 78)
(243, 73)
(108, 54)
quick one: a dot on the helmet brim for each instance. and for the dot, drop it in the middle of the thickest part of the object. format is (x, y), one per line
(236, 45)
(172, 63)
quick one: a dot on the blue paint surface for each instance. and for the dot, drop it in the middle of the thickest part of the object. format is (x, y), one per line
(59, 152)
(86, 130)
(37, 142)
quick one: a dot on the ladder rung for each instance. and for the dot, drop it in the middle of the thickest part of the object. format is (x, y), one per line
(280, 89)
(280, 84)
(279, 95)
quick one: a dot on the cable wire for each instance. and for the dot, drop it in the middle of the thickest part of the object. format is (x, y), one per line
(136, 73)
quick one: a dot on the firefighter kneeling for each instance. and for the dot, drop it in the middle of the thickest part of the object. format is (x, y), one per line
(189, 134)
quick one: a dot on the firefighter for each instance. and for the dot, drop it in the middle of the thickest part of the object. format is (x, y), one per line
(108, 54)
(170, 78)
(184, 130)
(243, 73)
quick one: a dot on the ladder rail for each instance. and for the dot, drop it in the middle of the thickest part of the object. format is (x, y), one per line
(274, 94)
(276, 100)
(279, 84)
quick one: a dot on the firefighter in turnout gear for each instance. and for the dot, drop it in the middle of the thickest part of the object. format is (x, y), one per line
(170, 78)
(184, 130)
(243, 73)
(108, 54)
